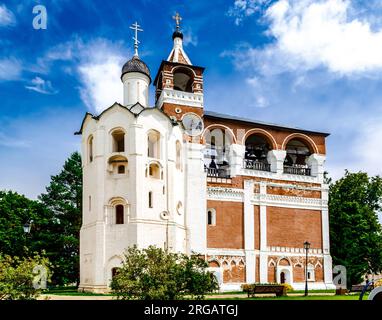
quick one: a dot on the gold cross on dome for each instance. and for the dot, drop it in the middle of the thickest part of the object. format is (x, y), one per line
(177, 19)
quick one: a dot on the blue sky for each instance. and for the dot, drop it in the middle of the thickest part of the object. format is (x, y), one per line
(311, 64)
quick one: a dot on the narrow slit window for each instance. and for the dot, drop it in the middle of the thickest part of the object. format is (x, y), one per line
(119, 212)
(150, 199)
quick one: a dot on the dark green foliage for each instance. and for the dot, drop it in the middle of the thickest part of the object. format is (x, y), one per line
(15, 211)
(355, 232)
(153, 273)
(63, 198)
(56, 222)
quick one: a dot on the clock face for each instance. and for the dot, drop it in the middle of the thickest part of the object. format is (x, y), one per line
(193, 124)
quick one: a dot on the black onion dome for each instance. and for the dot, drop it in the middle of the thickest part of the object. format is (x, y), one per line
(177, 34)
(136, 65)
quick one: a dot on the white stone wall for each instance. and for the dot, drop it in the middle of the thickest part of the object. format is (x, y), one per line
(135, 89)
(102, 240)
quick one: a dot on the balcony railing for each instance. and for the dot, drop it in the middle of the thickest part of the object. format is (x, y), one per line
(256, 165)
(218, 173)
(300, 170)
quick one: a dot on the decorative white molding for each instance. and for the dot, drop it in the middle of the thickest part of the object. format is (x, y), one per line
(294, 186)
(237, 195)
(284, 250)
(279, 176)
(181, 98)
(225, 194)
(225, 252)
(157, 222)
(289, 202)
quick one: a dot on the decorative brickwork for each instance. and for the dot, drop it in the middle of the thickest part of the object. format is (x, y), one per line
(291, 227)
(229, 229)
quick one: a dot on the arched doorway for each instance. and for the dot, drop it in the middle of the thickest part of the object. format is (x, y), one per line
(282, 277)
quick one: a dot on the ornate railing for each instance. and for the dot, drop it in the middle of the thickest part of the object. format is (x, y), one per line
(217, 173)
(300, 170)
(256, 165)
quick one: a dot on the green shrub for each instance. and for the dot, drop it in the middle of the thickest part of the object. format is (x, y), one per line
(153, 273)
(17, 278)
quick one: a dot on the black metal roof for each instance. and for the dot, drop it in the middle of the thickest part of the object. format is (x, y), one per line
(216, 115)
(177, 34)
(136, 65)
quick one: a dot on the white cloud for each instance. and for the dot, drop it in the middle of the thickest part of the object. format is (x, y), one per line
(10, 69)
(41, 86)
(313, 34)
(98, 65)
(100, 74)
(261, 100)
(367, 148)
(246, 8)
(7, 18)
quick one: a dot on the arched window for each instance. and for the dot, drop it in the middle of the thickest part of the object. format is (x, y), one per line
(216, 157)
(256, 152)
(117, 164)
(178, 162)
(211, 217)
(155, 171)
(90, 148)
(310, 273)
(153, 144)
(183, 79)
(297, 154)
(119, 214)
(118, 142)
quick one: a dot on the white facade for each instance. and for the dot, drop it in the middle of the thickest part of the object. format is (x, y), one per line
(145, 183)
(103, 241)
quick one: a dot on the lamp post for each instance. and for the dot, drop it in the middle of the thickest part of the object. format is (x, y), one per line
(306, 247)
(27, 230)
(27, 227)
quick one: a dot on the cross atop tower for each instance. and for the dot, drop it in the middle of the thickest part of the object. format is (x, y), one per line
(177, 19)
(137, 28)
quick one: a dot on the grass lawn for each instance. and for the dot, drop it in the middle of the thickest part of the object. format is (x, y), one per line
(293, 291)
(71, 291)
(318, 297)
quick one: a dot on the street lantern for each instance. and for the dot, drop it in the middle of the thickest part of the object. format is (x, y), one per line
(306, 247)
(27, 227)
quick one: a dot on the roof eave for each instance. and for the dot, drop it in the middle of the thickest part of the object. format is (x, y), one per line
(275, 126)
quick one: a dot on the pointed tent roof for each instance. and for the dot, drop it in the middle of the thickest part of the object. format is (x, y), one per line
(177, 53)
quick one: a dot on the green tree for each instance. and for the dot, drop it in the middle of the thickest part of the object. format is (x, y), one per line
(153, 273)
(355, 232)
(63, 198)
(15, 211)
(18, 276)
